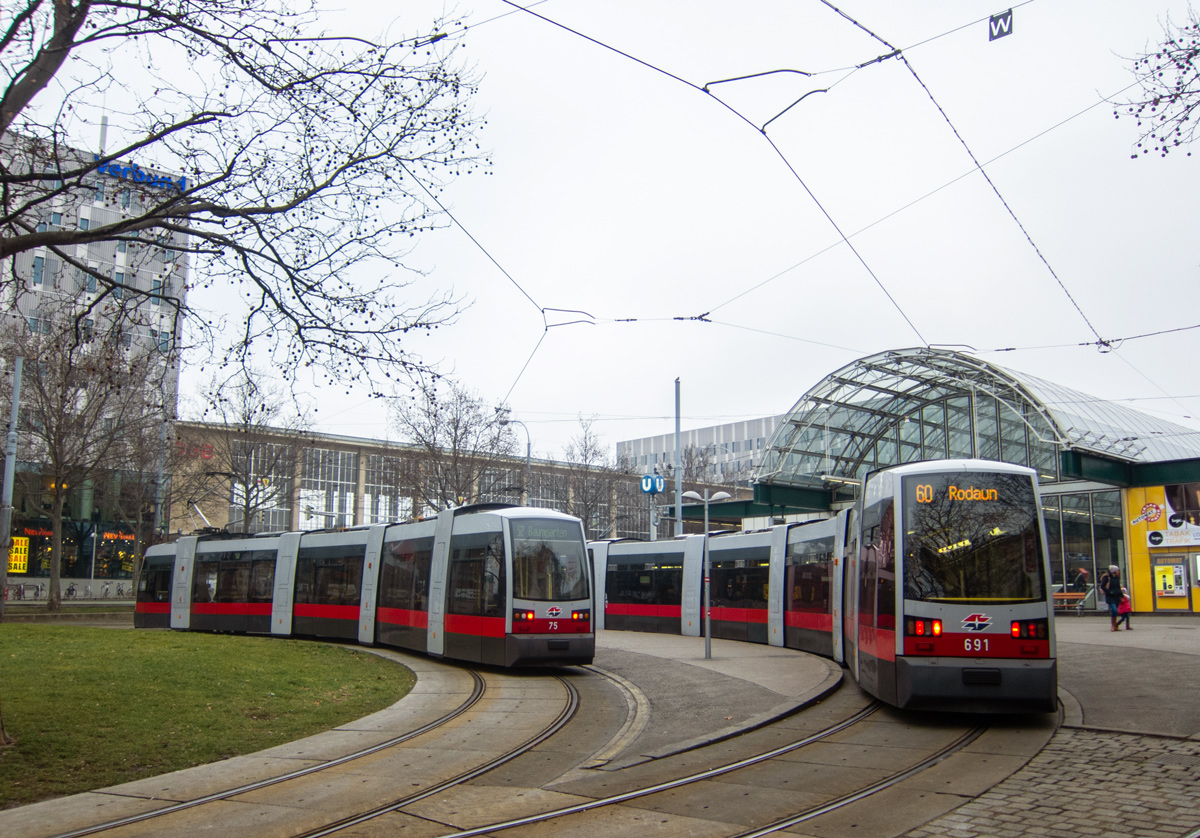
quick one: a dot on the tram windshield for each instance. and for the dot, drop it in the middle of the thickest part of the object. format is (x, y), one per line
(549, 560)
(972, 537)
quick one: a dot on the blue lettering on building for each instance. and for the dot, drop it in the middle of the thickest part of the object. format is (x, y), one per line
(140, 176)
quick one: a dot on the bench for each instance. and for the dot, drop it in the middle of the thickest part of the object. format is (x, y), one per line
(1069, 599)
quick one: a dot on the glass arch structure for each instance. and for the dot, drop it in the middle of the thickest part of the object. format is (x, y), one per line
(906, 405)
(921, 404)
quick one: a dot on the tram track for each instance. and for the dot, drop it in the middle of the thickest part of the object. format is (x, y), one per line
(845, 799)
(478, 694)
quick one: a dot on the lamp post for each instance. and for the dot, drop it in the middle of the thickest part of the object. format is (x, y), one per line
(504, 419)
(707, 566)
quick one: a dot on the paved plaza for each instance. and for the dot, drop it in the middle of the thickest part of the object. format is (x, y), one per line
(1093, 779)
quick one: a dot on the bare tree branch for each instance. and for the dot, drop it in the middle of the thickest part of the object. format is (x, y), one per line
(295, 163)
(1169, 77)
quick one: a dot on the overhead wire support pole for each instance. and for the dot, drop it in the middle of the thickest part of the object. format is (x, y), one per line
(6, 493)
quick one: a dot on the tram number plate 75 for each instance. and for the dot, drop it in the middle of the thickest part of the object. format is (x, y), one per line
(975, 644)
(553, 625)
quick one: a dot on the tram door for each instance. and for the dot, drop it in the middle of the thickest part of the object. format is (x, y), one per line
(776, 583)
(850, 595)
(435, 641)
(837, 581)
(692, 600)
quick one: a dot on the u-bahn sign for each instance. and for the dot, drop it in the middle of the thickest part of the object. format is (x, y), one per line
(653, 484)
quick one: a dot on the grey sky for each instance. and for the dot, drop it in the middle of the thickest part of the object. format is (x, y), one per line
(639, 199)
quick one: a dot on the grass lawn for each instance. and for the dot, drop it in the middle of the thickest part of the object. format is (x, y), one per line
(93, 707)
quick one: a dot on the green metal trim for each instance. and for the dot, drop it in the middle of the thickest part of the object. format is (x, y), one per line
(725, 511)
(784, 499)
(1082, 465)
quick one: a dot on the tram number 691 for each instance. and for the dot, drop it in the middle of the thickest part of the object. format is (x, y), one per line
(975, 644)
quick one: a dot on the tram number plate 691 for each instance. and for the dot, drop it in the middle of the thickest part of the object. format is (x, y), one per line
(975, 644)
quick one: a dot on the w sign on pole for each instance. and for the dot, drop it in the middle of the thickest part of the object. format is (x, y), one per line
(1000, 25)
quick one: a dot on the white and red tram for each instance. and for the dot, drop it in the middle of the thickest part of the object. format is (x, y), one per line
(489, 583)
(933, 589)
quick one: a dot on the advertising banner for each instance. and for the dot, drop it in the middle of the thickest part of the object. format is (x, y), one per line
(1175, 522)
(18, 556)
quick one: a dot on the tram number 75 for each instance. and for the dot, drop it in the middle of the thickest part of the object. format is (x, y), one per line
(553, 625)
(975, 644)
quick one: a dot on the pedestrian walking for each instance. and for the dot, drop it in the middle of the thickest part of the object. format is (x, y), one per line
(1124, 610)
(1110, 584)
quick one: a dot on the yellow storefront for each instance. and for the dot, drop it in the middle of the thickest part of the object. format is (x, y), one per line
(1164, 547)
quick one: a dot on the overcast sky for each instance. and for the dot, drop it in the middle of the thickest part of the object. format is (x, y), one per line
(621, 190)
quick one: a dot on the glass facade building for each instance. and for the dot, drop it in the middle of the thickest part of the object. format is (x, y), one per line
(921, 404)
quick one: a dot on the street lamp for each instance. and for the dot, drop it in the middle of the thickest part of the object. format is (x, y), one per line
(504, 419)
(707, 567)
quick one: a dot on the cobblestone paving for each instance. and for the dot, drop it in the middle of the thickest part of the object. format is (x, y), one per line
(1102, 785)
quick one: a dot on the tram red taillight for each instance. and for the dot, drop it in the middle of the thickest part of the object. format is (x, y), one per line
(922, 627)
(1030, 629)
(522, 615)
(585, 614)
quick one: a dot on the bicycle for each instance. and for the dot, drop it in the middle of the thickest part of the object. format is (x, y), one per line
(105, 589)
(70, 592)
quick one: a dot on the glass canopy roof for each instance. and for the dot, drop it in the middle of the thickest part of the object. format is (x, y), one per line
(919, 404)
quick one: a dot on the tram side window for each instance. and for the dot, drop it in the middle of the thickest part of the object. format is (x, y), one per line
(262, 576)
(653, 582)
(886, 570)
(876, 599)
(809, 566)
(204, 580)
(233, 580)
(155, 585)
(404, 577)
(477, 575)
(739, 584)
(330, 575)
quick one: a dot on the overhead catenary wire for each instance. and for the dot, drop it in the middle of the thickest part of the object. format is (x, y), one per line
(898, 54)
(1100, 341)
(779, 152)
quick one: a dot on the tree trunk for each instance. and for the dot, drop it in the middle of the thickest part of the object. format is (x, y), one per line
(54, 594)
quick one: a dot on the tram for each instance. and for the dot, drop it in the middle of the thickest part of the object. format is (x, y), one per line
(933, 589)
(488, 583)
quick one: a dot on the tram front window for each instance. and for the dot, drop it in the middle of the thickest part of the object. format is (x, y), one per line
(549, 560)
(972, 537)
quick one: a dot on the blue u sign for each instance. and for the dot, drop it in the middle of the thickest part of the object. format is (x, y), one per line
(652, 484)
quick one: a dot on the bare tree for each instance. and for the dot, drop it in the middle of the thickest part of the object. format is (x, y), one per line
(591, 474)
(292, 165)
(84, 393)
(247, 461)
(1169, 77)
(464, 453)
(696, 464)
